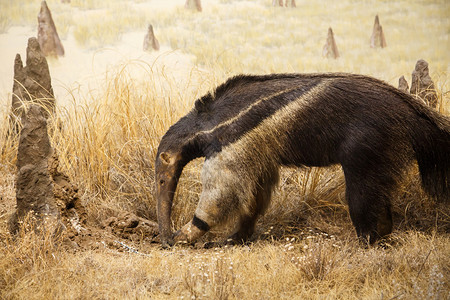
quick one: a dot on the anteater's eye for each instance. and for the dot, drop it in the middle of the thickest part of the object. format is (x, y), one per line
(162, 181)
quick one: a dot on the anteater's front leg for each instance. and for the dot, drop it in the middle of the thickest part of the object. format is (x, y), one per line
(192, 231)
(212, 209)
(256, 208)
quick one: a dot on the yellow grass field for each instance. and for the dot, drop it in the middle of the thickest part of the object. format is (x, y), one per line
(115, 102)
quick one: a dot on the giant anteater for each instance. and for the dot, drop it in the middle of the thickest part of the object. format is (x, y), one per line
(251, 125)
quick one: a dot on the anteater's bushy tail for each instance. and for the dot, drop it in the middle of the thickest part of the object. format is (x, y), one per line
(431, 142)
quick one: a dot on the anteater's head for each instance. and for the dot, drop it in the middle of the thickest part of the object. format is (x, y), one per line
(176, 149)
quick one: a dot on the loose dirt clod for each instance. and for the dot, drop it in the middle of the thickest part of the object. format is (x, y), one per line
(330, 49)
(377, 40)
(150, 41)
(47, 35)
(66, 197)
(422, 85)
(129, 226)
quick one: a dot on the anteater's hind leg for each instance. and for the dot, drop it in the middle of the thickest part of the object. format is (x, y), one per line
(368, 195)
(374, 161)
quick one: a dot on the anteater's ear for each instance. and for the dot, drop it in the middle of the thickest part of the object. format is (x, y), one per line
(165, 158)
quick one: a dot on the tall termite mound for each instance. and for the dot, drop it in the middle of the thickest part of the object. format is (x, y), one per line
(47, 35)
(377, 40)
(330, 49)
(43, 192)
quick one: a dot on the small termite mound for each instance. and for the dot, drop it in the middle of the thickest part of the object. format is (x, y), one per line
(377, 40)
(47, 35)
(330, 49)
(290, 3)
(277, 3)
(403, 84)
(422, 86)
(193, 5)
(150, 41)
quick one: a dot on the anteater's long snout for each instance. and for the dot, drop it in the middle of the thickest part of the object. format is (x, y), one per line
(166, 184)
(165, 193)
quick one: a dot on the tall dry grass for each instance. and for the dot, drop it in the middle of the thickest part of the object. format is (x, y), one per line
(305, 246)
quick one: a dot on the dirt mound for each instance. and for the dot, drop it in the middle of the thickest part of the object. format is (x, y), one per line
(72, 212)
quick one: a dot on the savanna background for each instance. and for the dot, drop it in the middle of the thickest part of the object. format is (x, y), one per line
(115, 101)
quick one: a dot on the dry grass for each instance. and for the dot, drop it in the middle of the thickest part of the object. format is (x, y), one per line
(416, 267)
(305, 246)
